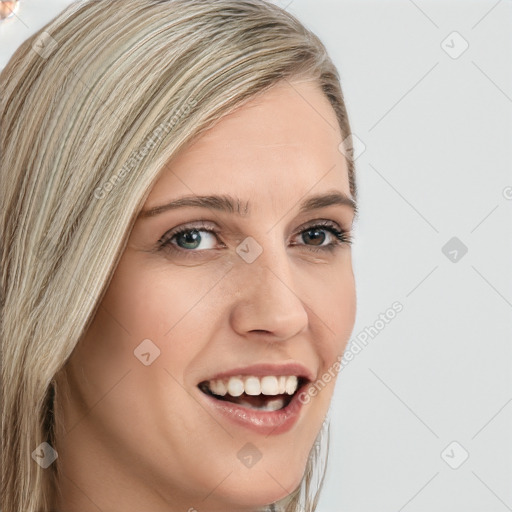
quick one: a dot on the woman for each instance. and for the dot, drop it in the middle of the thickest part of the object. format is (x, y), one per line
(176, 267)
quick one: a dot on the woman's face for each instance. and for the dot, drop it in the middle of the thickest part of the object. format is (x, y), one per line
(261, 289)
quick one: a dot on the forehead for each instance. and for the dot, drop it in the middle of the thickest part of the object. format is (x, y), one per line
(281, 143)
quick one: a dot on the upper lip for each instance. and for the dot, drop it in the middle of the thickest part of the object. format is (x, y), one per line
(262, 369)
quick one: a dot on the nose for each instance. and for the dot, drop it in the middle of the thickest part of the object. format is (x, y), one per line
(267, 299)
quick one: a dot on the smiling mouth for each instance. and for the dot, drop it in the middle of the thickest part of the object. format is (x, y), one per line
(268, 393)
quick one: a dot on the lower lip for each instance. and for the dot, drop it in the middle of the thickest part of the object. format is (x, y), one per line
(263, 422)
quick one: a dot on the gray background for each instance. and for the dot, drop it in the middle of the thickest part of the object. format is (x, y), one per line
(437, 164)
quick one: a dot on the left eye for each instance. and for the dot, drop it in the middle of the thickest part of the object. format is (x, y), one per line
(188, 239)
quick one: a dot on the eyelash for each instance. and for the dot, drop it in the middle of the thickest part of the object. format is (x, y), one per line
(341, 238)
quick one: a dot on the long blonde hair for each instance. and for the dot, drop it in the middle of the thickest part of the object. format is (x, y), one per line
(92, 108)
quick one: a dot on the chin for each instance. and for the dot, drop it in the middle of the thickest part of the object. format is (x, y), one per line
(253, 499)
(259, 489)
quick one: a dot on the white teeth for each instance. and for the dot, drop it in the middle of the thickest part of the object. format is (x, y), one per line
(291, 384)
(251, 385)
(282, 384)
(218, 387)
(235, 386)
(269, 385)
(273, 404)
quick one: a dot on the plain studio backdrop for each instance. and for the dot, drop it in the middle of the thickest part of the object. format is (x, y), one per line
(422, 415)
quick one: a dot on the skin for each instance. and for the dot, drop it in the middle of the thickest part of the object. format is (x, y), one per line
(133, 437)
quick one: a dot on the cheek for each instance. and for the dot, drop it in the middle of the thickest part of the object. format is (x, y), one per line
(137, 306)
(335, 312)
(158, 299)
(142, 302)
(163, 305)
(337, 306)
(346, 314)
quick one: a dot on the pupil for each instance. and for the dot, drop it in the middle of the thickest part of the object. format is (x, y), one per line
(190, 237)
(316, 239)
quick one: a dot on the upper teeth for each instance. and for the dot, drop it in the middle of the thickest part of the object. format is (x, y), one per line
(268, 385)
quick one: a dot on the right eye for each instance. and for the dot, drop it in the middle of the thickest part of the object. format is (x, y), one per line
(188, 239)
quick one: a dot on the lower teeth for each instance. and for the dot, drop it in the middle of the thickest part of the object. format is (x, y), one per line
(270, 405)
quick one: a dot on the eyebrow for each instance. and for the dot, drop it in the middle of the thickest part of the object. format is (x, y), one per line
(229, 204)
